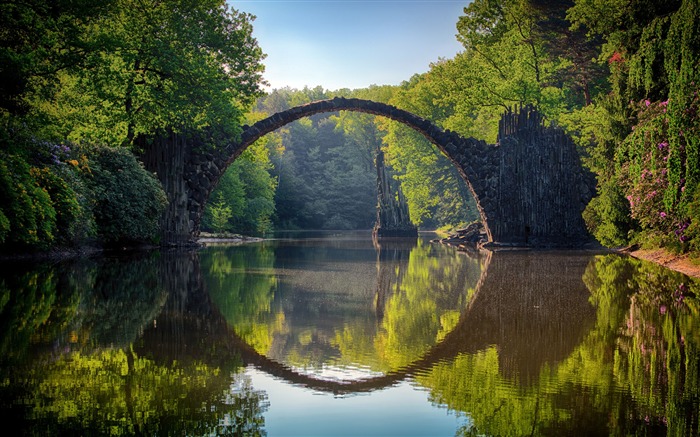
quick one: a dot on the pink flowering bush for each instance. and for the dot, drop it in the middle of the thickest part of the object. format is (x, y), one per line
(645, 196)
(656, 197)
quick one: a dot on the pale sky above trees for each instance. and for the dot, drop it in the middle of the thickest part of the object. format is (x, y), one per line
(352, 43)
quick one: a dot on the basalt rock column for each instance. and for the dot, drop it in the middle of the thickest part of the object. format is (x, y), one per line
(541, 188)
(392, 210)
(166, 156)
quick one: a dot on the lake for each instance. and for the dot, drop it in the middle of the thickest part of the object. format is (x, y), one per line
(332, 334)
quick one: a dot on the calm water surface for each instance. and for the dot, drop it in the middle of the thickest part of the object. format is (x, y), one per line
(333, 335)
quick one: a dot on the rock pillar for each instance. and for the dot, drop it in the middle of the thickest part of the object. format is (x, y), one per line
(392, 209)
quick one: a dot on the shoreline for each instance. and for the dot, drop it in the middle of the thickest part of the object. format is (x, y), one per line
(680, 263)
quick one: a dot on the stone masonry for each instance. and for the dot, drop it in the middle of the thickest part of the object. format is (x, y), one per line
(530, 187)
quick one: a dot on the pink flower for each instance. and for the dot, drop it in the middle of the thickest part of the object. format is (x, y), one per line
(616, 58)
(664, 103)
(662, 214)
(647, 102)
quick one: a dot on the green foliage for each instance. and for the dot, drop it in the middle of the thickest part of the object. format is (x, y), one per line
(436, 194)
(4, 226)
(508, 61)
(64, 200)
(324, 168)
(692, 230)
(101, 383)
(29, 214)
(244, 300)
(245, 194)
(649, 144)
(39, 39)
(636, 364)
(105, 73)
(27, 301)
(325, 165)
(607, 215)
(168, 65)
(421, 293)
(74, 194)
(220, 214)
(128, 201)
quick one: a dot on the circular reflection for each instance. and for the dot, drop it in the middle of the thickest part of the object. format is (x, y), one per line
(341, 310)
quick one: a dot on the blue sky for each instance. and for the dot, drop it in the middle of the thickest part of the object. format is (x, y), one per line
(351, 43)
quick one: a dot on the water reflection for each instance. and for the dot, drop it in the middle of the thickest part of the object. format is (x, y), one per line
(77, 357)
(341, 312)
(514, 343)
(634, 371)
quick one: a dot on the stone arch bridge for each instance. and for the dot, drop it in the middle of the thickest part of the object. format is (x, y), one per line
(529, 187)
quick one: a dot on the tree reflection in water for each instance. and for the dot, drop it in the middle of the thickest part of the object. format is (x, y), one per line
(78, 359)
(318, 310)
(634, 371)
(533, 343)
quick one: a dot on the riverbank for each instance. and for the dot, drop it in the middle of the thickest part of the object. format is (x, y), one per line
(680, 263)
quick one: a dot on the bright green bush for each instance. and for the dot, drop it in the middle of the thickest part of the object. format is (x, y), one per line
(29, 216)
(4, 226)
(607, 216)
(243, 202)
(127, 200)
(64, 201)
(689, 231)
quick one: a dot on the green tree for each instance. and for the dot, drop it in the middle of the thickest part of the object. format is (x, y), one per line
(220, 214)
(247, 189)
(29, 218)
(649, 146)
(324, 170)
(169, 65)
(39, 40)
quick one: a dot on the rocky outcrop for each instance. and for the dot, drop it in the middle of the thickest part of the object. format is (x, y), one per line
(470, 238)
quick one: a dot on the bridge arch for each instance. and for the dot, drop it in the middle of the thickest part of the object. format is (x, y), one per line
(449, 143)
(530, 187)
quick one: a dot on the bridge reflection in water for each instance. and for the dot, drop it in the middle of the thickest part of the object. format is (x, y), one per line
(512, 343)
(532, 307)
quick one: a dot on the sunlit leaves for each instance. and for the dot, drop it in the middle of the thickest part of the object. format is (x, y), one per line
(164, 66)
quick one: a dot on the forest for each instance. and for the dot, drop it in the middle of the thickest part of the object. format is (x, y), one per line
(83, 86)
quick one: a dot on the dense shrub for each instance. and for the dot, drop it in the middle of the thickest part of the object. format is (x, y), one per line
(64, 201)
(243, 202)
(28, 216)
(607, 215)
(656, 172)
(127, 200)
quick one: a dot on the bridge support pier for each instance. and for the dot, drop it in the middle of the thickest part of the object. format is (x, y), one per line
(188, 174)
